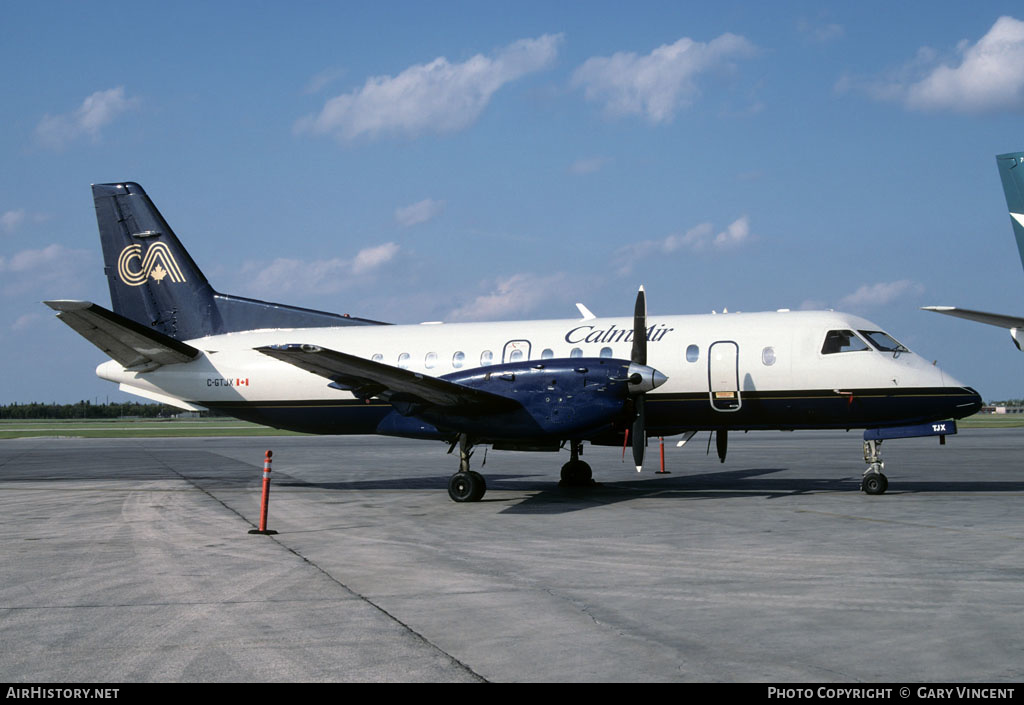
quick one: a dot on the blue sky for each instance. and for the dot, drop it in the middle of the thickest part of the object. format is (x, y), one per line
(499, 161)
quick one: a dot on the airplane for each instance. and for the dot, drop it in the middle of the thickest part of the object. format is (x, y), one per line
(522, 385)
(1011, 172)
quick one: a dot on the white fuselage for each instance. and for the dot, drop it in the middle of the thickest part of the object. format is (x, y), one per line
(751, 352)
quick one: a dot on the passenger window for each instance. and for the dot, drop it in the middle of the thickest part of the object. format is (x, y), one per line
(768, 356)
(457, 359)
(547, 354)
(840, 341)
(377, 357)
(692, 353)
(486, 357)
(403, 360)
(430, 360)
(576, 352)
(606, 352)
(515, 356)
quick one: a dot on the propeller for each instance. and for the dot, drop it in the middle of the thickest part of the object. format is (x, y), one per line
(642, 378)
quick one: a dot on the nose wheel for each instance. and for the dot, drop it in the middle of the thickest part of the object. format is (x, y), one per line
(874, 482)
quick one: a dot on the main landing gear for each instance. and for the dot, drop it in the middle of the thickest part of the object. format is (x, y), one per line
(469, 486)
(466, 485)
(874, 482)
(576, 473)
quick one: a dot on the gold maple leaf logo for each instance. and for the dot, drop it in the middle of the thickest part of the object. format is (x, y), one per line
(158, 273)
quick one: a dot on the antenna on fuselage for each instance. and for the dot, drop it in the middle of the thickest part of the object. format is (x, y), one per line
(585, 312)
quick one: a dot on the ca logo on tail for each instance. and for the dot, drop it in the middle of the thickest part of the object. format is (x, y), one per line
(158, 264)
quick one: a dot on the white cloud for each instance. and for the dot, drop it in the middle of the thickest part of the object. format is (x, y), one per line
(734, 235)
(511, 296)
(419, 212)
(35, 260)
(588, 166)
(437, 97)
(812, 305)
(321, 80)
(42, 270)
(286, 275)
(370, 258)
(25, 322)
(988, 76)
(697, 238)
(660, 83)
(11, 220)
(880, 294)
(820, 32)
(95, 112)
(700, 238)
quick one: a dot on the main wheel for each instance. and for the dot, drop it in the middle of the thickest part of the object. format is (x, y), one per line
(480, 484)
(875, 483)
(576, 474)
(466, 486)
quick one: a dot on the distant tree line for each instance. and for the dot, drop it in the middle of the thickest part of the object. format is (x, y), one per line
(87, 410)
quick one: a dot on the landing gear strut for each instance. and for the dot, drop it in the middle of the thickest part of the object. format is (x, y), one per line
(466, 485)
(576, 473)
(874, 482)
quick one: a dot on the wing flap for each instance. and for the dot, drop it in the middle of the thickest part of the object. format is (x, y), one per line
(369, 378)
(125, 341)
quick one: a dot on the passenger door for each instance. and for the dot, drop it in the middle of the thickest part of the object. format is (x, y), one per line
(724, 376)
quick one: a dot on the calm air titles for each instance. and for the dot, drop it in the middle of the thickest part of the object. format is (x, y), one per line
(612, 334)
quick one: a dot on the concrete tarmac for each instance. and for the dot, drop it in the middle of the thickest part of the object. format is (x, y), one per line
(129, 561)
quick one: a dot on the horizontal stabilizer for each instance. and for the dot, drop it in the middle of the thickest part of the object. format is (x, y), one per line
(124, 340)
(160, 398)
(993, 319)
(367, 378)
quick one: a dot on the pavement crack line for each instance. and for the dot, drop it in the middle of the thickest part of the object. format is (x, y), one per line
(328, 575)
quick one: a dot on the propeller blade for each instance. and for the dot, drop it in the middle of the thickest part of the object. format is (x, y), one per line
(639, 353)
(722, 443)
(639, 434)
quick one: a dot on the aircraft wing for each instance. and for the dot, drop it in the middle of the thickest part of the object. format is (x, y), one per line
(993, 319)
(124, 340)
(368, 378)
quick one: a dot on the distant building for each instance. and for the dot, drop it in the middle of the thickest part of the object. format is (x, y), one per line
(1002, 409)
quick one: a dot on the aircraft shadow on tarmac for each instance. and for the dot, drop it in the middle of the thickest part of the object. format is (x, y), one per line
(539, 492)
(548, 497)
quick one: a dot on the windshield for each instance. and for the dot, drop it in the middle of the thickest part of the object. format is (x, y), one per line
(883, 342)
(840, 341)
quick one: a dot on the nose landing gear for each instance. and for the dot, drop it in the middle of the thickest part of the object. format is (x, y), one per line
(874, 482)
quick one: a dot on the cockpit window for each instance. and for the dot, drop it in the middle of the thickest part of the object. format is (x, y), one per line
(882, 341)
(840, 341)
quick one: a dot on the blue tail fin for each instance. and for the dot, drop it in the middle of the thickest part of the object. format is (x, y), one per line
(154, 281)
(1011, 171)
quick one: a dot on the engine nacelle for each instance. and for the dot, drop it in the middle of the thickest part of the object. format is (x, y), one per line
(559, 398)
